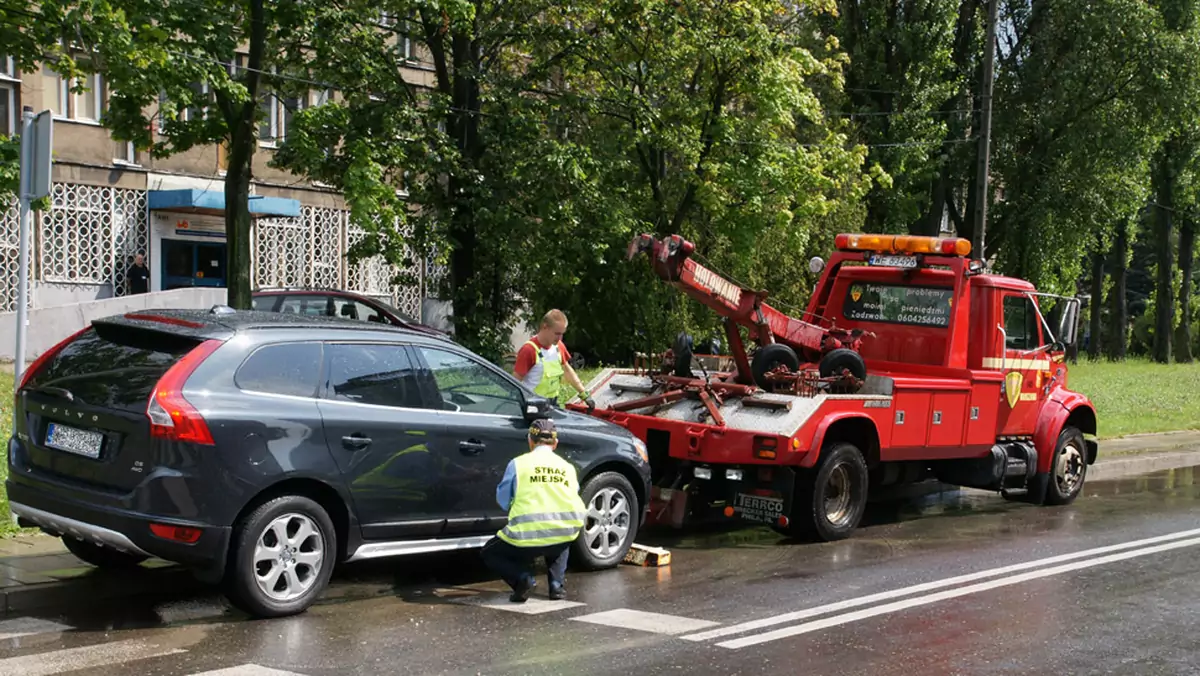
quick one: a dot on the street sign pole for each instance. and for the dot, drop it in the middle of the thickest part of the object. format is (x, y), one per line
(37, 136)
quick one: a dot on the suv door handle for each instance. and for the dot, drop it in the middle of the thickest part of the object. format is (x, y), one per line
(471, 447)
(355, 442)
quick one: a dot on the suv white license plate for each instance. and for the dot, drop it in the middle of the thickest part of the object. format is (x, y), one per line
(894, 261)
(71, 440)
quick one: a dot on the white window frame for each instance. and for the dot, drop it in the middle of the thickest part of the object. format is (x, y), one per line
(10, 88)
(97, 92)
(185, 115)
(130, 152)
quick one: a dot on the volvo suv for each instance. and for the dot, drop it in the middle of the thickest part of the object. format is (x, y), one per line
(260, 449)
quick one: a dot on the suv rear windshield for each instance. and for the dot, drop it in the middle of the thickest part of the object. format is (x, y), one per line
(113, 367)
(898, 304)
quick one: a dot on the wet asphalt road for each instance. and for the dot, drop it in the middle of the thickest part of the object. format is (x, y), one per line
(1127, 609)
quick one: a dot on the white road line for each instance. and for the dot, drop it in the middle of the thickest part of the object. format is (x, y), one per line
(532, 606)
(29, 626)
(84, 657)
(929, 586)
(247, 670)
(846, 618)
(657, 623)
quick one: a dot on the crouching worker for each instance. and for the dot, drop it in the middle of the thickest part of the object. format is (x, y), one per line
(540, 490)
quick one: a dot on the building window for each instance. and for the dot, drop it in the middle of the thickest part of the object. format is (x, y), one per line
(124, 152)
(201, 93)
(10, 92)
(87, 105)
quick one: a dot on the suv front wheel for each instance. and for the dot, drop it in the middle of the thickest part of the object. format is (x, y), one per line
(282, 556)
(610, 524)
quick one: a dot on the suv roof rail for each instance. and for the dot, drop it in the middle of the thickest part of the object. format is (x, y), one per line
(220, 309)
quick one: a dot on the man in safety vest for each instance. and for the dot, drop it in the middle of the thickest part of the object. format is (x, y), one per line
(540, 490)
(543, 362)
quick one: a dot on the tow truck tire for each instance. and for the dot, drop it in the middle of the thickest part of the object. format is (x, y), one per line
(830, 500)
(843, 358)
(770, 357)
(612, 506)
(1068, 468)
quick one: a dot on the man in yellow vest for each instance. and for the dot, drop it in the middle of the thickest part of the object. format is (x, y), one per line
(544, 361)
(540, 491)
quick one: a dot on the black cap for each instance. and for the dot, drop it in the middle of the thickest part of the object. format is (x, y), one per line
(543, 429)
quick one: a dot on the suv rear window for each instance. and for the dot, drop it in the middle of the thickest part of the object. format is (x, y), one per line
(113, 367)
(898, 304)
(290, 368)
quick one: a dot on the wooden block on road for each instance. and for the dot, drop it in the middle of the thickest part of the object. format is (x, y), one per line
(650, 557)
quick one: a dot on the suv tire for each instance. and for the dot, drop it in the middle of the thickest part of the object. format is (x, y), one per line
(611, 505)
(101, 557)
(282, 555)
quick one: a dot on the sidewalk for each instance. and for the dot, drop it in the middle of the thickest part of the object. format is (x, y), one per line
(37, 572)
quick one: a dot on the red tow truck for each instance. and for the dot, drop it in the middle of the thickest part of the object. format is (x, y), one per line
(910, 363)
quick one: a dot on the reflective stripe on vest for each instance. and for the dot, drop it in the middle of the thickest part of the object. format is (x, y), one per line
(547, 509)
(551, 372)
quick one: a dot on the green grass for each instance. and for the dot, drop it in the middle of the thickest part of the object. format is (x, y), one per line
(1139, 397)
(1131, 397)
(7, 527)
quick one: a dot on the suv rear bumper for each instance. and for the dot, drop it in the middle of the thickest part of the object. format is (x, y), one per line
(120, 529)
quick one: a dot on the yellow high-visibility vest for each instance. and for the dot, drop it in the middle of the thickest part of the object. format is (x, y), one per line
(546, 509)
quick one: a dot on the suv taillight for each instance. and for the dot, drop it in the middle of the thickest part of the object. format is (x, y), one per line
(47, 356)
(171, 415)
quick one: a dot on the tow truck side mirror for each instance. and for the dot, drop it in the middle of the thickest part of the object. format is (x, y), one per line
(1068, 323)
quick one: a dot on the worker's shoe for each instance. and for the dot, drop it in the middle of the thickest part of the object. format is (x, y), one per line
(521, 591)
(557, 592)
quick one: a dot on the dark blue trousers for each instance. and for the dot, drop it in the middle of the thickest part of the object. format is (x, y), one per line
(514, 564)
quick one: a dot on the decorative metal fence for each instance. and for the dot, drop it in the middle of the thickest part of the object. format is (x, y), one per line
(91, 233)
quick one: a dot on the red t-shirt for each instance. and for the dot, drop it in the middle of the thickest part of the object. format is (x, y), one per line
(527, 358)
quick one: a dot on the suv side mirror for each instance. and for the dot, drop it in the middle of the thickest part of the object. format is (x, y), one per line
(536, 407)
(1068, 322)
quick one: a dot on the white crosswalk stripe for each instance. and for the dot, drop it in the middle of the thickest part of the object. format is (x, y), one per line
(84, 657)
(656, 623)
(247, 670)
(29, 626)
(532, 606)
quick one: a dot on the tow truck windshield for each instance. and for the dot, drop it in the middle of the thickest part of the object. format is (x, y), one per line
(898, 304)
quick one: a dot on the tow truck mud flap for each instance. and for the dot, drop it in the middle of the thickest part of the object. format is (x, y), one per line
(763, 496)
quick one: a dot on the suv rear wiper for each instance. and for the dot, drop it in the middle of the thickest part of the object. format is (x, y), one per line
(56, 391)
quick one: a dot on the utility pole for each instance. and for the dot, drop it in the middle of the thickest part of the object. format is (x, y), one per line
(985, 130)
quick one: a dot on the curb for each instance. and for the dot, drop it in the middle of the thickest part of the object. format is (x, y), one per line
(96, 588)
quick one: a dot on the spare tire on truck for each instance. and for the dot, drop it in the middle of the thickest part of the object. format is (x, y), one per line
(770, 357)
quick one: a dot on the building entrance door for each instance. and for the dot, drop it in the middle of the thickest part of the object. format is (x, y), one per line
(186, 264)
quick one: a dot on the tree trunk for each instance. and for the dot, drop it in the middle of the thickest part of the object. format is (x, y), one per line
(470, 299)
(1164, 301)
(1183, 339)
(1096, 304)
(243, 139)
(1119, 333)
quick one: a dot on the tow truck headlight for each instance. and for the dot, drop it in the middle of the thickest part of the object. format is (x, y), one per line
(702, 473)
(733, 474)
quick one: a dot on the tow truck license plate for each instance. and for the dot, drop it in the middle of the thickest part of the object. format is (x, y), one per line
(894, 261)
(71, 440)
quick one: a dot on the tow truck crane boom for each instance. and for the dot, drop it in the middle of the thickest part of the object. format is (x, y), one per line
(806, 342)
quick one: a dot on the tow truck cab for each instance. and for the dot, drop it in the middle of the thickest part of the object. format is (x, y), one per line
(962, 377)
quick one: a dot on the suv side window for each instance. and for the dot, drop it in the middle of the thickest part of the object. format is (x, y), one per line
(382, 375)
(1021, 323)
(308, 305)
(470, 387)
(352, 309)
(289, 368)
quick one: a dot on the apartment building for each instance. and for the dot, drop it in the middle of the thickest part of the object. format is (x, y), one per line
(111, 202)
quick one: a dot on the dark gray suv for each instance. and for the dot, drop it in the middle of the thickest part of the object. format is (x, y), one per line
(260, 449)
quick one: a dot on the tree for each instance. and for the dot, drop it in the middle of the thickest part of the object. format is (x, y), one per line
(1118, 337)
(31, 37)
(177, 81)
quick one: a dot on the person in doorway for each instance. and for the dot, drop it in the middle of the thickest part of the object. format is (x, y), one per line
(540, 492)
(138, 276)
(544, 361)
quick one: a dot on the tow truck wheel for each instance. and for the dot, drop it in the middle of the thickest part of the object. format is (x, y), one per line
(830, 501)
(1068, 468)
(770, 357)
(610, 525)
